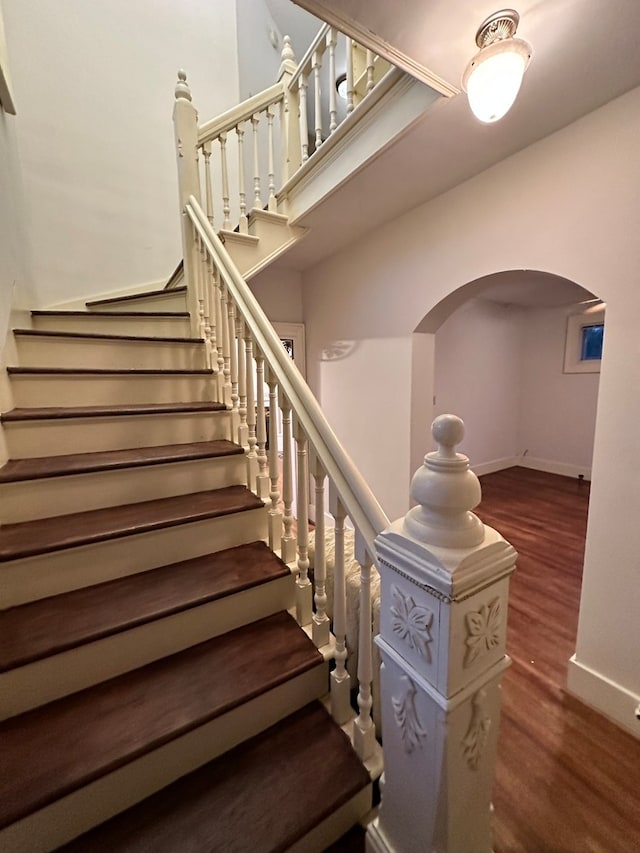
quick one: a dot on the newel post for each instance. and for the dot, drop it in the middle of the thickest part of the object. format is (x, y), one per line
(444, 591)
(185, 122)
(291, 156)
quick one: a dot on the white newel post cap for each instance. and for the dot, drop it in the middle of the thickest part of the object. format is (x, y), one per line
(288, 63)
(182, 90)
(446, 491)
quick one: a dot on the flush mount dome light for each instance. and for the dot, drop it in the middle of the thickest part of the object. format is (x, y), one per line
(493, 77)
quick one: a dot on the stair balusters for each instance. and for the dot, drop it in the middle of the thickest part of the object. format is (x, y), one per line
(364, 731)
(243, 222)
(304, 129)
(350, 86)
(262, 480)
(316, 65)
(226, 208)
(275, 514)
(257, 200)
(288, 551)
(252, 456)
(243, 427)
(340, 679)
(272, 204)
(320, 623)
(303, 584)
(332, 38)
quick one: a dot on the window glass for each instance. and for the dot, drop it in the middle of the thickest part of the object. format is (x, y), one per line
(592, 338)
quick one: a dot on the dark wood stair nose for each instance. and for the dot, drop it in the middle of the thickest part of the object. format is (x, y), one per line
(58, 748)
(149, 294)
(262, 796)
(105, 411)
(44, 535)
(49, 626)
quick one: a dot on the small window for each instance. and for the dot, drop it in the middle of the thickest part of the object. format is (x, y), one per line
(592, 338)
(585, 337)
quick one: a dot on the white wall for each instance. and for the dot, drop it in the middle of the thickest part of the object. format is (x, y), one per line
(478, 364)
(580, 222)
(94, 87)
(279, 292)
(558, 410)
(259, 47)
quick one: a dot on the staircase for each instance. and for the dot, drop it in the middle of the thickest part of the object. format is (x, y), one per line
(156, 692)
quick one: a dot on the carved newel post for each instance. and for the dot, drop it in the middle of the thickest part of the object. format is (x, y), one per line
(444, 587)
(185, 123)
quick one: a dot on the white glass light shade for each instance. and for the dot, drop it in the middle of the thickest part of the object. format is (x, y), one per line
(493, 78)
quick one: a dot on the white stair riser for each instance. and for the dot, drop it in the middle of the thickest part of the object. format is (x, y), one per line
(50, 496)
(95, 390)
(33, 578)
(167, 301)
(68, 817)
(43, 681)
(50, 437)
(53, 351)
(154, 326)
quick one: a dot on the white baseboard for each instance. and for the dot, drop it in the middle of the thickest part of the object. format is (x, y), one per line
(551, 467)
(495, 465)
(614, 701)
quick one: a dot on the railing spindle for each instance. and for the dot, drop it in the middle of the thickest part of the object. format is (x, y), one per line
(213, 321)
(206, 301)
(252, 457)
(243, 224)
(364, 729)
(340, 679)
(275, 513)
(206, 151)
(233, 363)
(272, 204)
(220, 323)
(370, 83)
(320, 621)
(257, 200)
(316, 66)
(226, 345)
(199, 284)
(304, 129)
(226, 209)
(304, 590)
(288, 549)
(262, 479)
(332, 38)
(243, 428)
(350, 86)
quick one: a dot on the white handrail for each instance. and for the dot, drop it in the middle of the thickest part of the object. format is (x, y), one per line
(243, 112)
(357, 498)
(306, 59)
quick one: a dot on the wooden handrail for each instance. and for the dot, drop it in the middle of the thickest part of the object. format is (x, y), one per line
(243, 112)
(357, 498)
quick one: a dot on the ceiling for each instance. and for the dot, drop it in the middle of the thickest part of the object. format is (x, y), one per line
(585, 53)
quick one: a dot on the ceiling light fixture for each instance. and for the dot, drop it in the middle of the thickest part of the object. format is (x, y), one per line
(493, 77)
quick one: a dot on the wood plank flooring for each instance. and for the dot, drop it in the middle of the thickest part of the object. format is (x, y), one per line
(567, 779)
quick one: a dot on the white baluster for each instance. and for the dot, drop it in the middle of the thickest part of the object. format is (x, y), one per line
(197, 270)
(220, 324)
(243, 428)
(243, 222)
(304, 129)
(288, 549)
(273, 206)
(370, 83)
(233, 366)
(320, 622)
(262, 480)
(275, 513)
(257, 201)
(332, 38)
(206, 150)
(350, 86)
(304, 590)
(252, 457)
(226, 345)
(340, 679)
(316, 65)
(204, 265)
(364, 731)
(289, 124)
(226, 209)
(213, 333)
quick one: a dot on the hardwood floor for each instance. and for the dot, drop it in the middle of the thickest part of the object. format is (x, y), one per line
(567, 779)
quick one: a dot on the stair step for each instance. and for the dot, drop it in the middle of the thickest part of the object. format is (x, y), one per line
(108, 460)
(53, 625)
(301, 770)
(59, 645)
(55, 751)
(173, 296)
(34, 413)
(155, 323)
(35, 347)
(44, 535)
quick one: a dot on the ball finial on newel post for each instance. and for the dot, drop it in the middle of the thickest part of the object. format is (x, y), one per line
(182, 87)
(287, 53)
(446, 491)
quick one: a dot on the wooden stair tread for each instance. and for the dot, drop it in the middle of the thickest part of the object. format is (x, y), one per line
(43, 535)
(182, 315)
(108, 371)
(33, 631)
(262, 796)
(53, 750)
(34, 413)
(107, 460)
(131, 296)
(105, 336)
